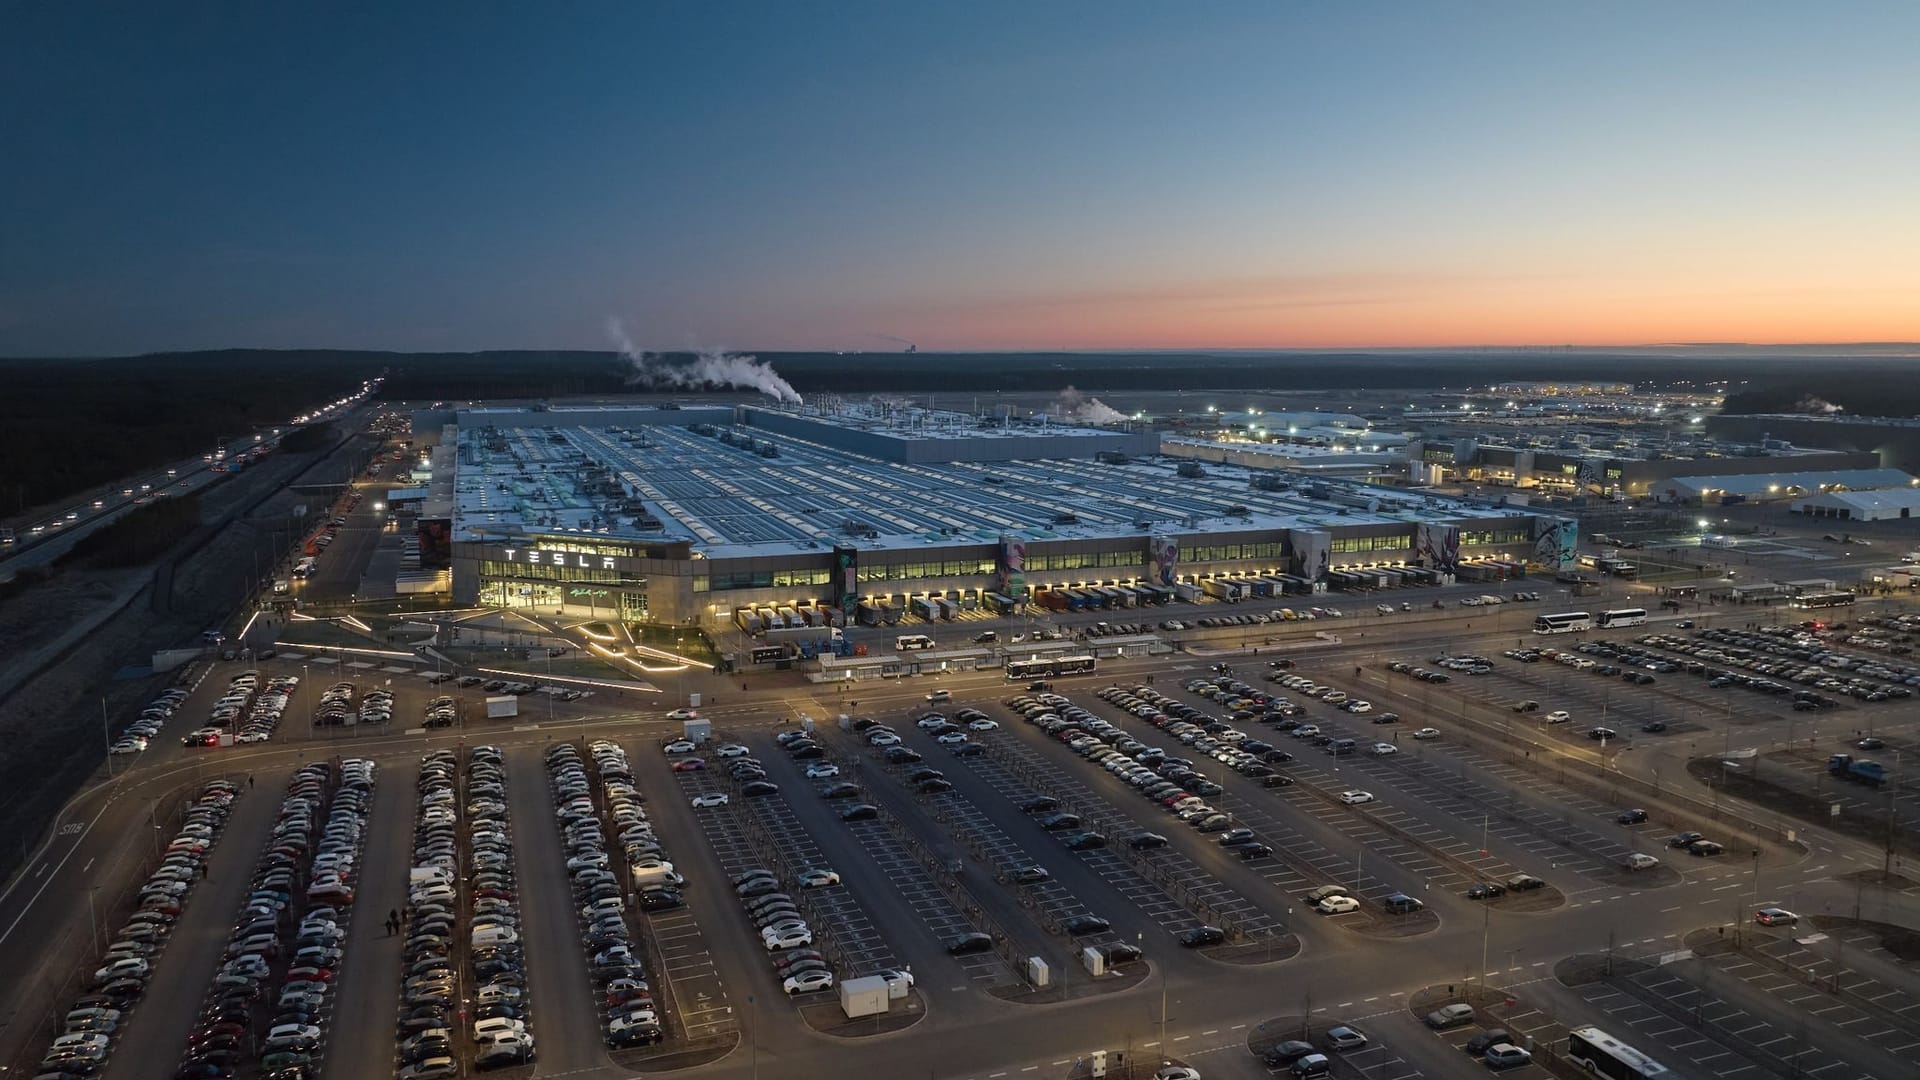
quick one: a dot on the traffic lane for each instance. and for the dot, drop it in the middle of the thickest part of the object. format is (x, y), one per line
(566, 1020)
(1041, 848)
(732, 949)
(1229, 882)
(158, 1029)
(891, 911)
(368, 995)
(1272, 813)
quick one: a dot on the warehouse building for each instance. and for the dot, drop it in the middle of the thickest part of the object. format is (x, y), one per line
(702, 515)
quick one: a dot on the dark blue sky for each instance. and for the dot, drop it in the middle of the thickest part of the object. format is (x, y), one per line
(798, 175)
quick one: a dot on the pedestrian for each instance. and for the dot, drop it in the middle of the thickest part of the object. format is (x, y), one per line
(393, 916)
(249, 782)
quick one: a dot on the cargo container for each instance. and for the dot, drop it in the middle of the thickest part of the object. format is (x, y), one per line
(925, 607)
(1187, 594)
(947, 609)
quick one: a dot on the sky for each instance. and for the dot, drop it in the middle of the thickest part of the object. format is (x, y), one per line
(1061, 175)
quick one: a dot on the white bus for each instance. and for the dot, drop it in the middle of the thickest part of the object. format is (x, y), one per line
(912, 642)
(1604, 1055)
(1565, 623)
(1623, 617)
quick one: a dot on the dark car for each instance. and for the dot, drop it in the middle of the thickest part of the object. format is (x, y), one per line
(1085, 841)
(1654, 727)
(1525, 883)
(1146, 840)
(1490, 1037)
(1250, 852)
(1055, 822)
(840, 791)
(1031, 875)
(1287, 1053)
(1631, 817)
(1202, 935)
(1685, 839)
(966, 944)
(1276, 780)
(759, 788)
(1038, 803)
(1084, 924)
(860, 812)
(1121, 953)
(1402, 904)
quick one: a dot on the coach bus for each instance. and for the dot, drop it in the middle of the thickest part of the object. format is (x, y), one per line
(1604, 1055)
(1048, 666)
(1825, 599)
(1565, 623)
(1623, 617)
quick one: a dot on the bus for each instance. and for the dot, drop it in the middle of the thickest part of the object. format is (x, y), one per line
(1048, 666)
(1565, 623)
(1825, 599)
(912, 642)
(304, 568)
(1623, 617)
(1604, 1055)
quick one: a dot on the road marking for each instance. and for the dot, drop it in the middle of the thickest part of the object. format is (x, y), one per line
(85, 868)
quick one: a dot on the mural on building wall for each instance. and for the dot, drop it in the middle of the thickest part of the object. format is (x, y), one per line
(846, 578)
(1166, 559)
(1013, 566)
(1437, 546)
(1555, 540)
(1311, 551)
(1588, 476)
(436, 542)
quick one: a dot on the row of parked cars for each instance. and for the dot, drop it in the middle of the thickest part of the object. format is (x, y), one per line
(441, 712)
(116, 987)
(1250, 757)
(625, 997)
(498, 1010)
(267, 949)
(247, 711)
(1171, 782)
(1769, 663)
(138, 734)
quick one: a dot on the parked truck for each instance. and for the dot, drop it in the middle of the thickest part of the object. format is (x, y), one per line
(1858, 770)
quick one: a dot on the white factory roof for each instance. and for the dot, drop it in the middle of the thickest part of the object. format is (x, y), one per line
(1763, 483)
(1882, 500)
(731, 501)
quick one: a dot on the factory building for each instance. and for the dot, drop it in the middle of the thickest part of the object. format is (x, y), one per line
(702, 515)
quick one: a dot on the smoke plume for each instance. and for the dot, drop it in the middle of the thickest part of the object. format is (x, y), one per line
(1074, 406)
(710, 369)
(1811, 404)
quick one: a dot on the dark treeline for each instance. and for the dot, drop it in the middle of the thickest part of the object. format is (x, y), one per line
(1859, 393)
(140, 536)
(68, 425)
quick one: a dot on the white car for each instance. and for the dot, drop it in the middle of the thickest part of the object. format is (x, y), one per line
(1359, 706)
(1382, 749)
(731, 750)
(822, 771)
(894, 975)
(983, 725)
(679, 746)
(1354, 797)
(1427, 733)
(711, 798)
(883, 738)
(683, 714)
(1338, 905)
(818, 879)
(1559, 716)
(792, 939)
(1641, 861)
(808, 981)
(1177, 1072)
(487, 1029)
(952, 738)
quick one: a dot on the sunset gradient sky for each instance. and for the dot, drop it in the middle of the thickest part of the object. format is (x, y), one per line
(967, 176)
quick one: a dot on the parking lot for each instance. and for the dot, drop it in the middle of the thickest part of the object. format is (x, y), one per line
(1674, 1017)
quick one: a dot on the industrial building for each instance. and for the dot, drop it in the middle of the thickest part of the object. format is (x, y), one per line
(1884, 504)
(693, 515)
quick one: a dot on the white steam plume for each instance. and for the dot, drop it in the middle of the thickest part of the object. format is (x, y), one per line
(1081, 409)
(1811, 404)
(710, 368)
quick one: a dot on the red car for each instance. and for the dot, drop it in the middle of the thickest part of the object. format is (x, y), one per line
(692, 764)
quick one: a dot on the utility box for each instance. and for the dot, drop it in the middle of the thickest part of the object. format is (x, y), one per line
(697, 732)
(1094, 961)
(806, 723)
(693, 701)
(504, 705)
(866, 996)
(1038, 973)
